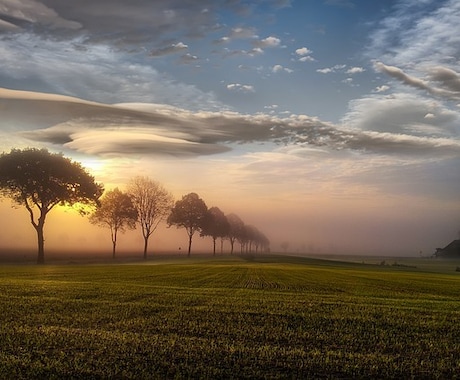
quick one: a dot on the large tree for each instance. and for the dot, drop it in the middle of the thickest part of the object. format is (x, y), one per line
(117, 212)
(40, 180)
(215, 225)
(153, 204)
(236, 229)
(189, 213)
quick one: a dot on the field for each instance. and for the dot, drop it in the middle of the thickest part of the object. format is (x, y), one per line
(230, 317)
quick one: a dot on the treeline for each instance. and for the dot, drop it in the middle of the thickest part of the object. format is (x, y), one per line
(39, 180)
(146, 203)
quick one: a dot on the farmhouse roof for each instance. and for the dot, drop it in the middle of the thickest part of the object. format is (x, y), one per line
(452, 249)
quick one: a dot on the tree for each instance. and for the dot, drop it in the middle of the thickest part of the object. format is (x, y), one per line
(40, 180)
(243, 238)
(215, 225)
(152, 202)
(117, 212)
(285, 245)
(236, 228)
(188, 213)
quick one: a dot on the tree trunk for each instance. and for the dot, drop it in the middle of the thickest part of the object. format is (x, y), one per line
(146, 242)
(214, 246)
(189, 244)
(41, 244)
(114, 241)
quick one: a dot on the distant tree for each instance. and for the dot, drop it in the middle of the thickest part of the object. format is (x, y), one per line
(236, 229)
(189, 213)
(117, 212)
(285, 246)
(264, 242)
(153, 204)
(40, 180)
(215, 225)
(243, 239)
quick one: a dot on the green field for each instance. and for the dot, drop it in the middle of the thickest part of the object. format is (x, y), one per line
(267, 317)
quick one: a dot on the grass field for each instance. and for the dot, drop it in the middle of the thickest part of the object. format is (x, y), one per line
(268, 317)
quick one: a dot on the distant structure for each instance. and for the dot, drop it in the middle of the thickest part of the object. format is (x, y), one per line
(451, 250)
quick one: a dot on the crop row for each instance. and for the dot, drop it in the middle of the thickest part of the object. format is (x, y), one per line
(227, 319)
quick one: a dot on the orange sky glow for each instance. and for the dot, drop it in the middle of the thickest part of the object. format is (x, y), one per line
(331, 125)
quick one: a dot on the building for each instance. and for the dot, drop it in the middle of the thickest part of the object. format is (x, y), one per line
(451, 250)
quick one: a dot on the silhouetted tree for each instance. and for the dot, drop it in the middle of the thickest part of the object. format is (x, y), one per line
(255, 238)
(236, 228)
(153, 204)
(117, 212)
(285, 246)
(189, 213)
(243, 239)
(263, 242)
(40, 180)
(215, 225)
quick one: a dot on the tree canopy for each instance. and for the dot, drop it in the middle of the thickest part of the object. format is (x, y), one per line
(215, 225)
(153, 203)
(117, 212)
(40, 180)
(189, 213)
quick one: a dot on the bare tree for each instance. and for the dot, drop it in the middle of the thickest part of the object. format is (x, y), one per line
(153, 204)
(215, 225)
(117, 212)
(188, 213)
(38, 179)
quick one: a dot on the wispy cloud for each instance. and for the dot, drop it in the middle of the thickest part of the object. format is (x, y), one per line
(171, 49)
(448, 80)
(240, 87)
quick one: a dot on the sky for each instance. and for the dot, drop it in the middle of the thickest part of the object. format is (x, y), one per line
(330, 124)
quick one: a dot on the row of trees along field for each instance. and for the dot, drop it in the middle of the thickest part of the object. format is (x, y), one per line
(40, 180)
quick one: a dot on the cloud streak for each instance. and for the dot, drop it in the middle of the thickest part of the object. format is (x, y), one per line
(117, 130)
(448, 79)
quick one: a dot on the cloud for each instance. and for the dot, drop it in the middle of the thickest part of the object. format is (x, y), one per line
(304, 54)
(130, 129)
(333, 69)
(382, 88)
(174, 48)
(105, 74)
(269, 42)
(280, 68)
(242, 33)
(307, 58)
(355, 70)
(240, 87)
(418, 35)
(101, 21)
(403, 113)
(449, 80)
(303, 51)
(18, 14)
(188, 59)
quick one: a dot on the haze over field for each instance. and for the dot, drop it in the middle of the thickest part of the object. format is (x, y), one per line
(331, 124)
